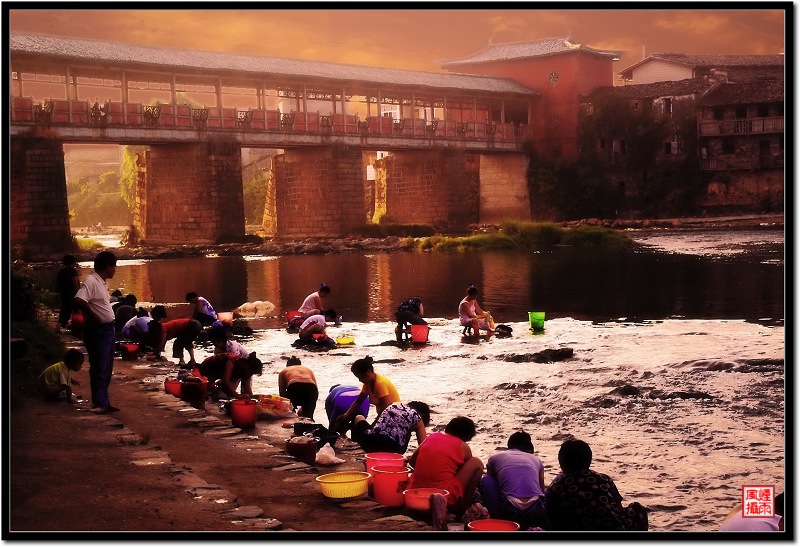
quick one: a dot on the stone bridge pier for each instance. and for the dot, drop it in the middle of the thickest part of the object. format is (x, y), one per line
(452, 188)
(317, 192)
(436, 187)
(504, 188)
(38, 210)
(190, 193)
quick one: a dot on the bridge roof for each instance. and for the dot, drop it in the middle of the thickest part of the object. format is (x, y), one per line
(181, 60)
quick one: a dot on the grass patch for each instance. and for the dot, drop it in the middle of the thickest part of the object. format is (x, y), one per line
(476, 242)
(537, 236)
(87, 244)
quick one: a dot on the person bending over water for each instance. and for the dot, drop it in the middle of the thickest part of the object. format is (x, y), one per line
(392, 430)
(409, 312)
(379, 390)
(202, 310)
(338, 402)
(227, 372)
(298, 384)
(316, 324)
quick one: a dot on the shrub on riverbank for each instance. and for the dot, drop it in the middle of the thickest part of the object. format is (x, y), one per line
(88, 244)
(528, 235)
(43, 346)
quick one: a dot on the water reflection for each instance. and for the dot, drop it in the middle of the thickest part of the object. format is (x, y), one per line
(581, 283)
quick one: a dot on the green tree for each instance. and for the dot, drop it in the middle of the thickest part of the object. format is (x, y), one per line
(99, 200)
(130, 174)
(566, 189)
(254, 193)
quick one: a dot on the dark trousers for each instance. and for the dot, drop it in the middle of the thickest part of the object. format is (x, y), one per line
(99, 341)
(185, 339)
(305, 395)
(374, 442)
(500, 508)
(65, 312)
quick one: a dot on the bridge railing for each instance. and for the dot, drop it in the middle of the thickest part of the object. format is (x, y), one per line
(59, 112)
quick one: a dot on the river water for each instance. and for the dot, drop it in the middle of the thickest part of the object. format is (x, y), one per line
(691, 326)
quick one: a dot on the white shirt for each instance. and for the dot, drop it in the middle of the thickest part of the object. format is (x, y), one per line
(94, 291)
(234, 347)
(313, 320)
(142, 322)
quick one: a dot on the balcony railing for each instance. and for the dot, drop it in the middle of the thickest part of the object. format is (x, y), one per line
(737, 163)
(741, 127)
(56, 112)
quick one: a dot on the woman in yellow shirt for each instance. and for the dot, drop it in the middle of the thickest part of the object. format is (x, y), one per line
(379, 389)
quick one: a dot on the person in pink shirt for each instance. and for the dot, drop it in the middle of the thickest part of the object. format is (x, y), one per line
(312, 305)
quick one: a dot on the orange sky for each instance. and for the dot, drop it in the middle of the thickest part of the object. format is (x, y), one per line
(417, 39)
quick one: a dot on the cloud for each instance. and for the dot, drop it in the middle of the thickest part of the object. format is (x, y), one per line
(413, 39)
(693, 23)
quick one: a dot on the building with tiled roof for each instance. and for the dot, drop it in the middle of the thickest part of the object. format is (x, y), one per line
(560, 70)
(526, 50)
(649, 91)
(726, 93)
(741, 127)
(660, 67)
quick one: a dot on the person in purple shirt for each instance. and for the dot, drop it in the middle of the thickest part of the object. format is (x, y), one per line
(512, 488)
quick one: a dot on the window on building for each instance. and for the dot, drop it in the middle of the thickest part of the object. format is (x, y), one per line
(670, 148)
(728, 146)
(719, 114)
(668, 106)
(763, 111)
(619, 147)
(741, 112)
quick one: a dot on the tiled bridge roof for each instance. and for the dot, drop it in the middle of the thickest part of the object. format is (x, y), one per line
(180, 60)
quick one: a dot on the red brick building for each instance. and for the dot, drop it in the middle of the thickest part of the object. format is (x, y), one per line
(560, 70)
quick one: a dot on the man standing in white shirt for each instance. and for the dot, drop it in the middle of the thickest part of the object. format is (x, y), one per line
(93, 300)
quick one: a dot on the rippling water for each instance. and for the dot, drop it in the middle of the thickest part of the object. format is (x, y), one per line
(677, 375)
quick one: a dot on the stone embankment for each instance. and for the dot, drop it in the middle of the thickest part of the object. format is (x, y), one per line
(280, 247)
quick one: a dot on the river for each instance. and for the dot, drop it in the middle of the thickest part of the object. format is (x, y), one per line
(691, 325)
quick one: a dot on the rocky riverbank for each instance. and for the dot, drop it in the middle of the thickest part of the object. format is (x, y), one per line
(159, 465)
(284, 246)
